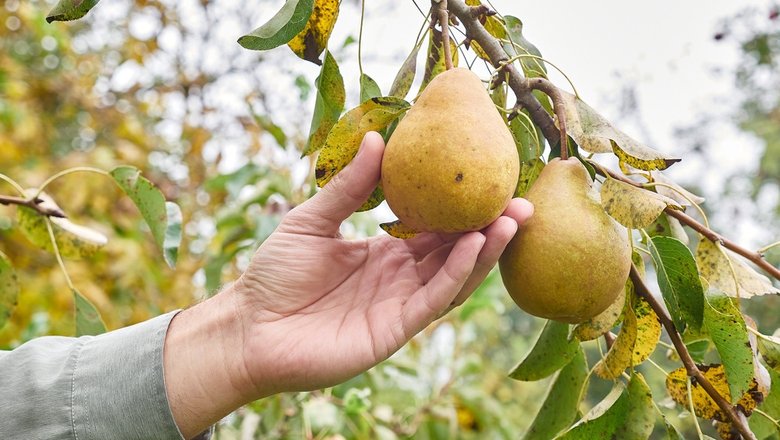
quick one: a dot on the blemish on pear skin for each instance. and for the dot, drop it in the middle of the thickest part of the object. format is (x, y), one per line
(459, 177)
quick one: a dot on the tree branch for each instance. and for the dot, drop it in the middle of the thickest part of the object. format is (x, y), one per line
(690, 366)
(34, 204)
(442, 15)
(755, 257)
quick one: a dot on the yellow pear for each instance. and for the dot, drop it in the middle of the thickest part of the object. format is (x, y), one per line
(451, 165)
(570, 260)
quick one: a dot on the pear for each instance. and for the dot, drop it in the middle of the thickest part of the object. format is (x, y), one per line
(451, 165)
(570, 261)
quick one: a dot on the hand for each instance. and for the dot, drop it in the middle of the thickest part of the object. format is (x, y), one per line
(313, 309)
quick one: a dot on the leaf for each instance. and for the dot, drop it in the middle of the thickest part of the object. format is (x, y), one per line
(703, 405)
(73, 241)
(759, 424)
(726, 327)
(769, 347)
(667, 226)
(528, 137)
(368, 88)
(309, 43)
(88, 320)
(601, 323)
(344, 139)
(281, 28)
(434, 64)
(67, 10)
(398, 230)
(648, 329)
(375, 199)
(529, 172)
(678, 279)
(621, 353)
(640, 419)
(553, 350)
(633, 207)
(658, 176)
(604, 419)
(9, 289)
(715, 266)
(405, 76)
(532, 67)
(329, 104)
(164, 221)
(593, 133)
(559, 409)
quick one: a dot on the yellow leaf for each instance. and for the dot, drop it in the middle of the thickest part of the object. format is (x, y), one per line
(434, 64)
(601, 323)
(648, 331)
(638, 156)
(529, 171)
(704, 406)
(633, 207)
(398, 230)
(715, 265)
(313, 39)
(344, 139)
(620, 355)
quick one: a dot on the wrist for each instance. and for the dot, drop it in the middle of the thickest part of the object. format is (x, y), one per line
(205, 377)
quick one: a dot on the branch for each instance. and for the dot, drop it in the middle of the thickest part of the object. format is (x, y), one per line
(34, 204)
(521, 86)
(738, 421)
(755, 257)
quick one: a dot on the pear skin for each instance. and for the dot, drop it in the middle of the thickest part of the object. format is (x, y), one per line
(451, 165)
(570, 261)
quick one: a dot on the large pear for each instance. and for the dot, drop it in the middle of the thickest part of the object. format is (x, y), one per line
(451, 165)
(570, 261)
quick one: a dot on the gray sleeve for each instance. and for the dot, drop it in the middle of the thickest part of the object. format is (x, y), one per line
(94, 387)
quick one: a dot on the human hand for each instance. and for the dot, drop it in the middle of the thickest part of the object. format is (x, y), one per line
(313, 309)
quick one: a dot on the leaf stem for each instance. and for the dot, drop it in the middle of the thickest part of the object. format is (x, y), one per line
(57, 254)
(764, 249)
(683, 195)
(690, 366)
(537, 57)
(65, 173)
(360, 37)
(688, 387)
(768, 417)
(13, 183)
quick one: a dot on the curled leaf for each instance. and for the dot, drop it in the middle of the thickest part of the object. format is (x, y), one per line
(67, 10)
(281, 28)
(309, 43)
(601, 323)
(398, 230)
(633, 207)
(328, 106)
(715, 264)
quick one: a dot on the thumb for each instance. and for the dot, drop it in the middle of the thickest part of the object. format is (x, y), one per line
(346, 191)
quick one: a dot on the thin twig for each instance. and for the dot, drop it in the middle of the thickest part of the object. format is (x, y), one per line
(753, 256)
(35, 204)
(690, 366)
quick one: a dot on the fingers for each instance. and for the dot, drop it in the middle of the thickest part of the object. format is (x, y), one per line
(497, 236)
(344, 194)
(431, 300)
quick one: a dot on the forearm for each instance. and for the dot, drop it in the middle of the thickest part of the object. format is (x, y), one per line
(205, 376)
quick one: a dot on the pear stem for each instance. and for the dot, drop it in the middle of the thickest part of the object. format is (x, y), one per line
(443, 17)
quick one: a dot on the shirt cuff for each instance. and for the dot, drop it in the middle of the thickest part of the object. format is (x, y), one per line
(118, 388)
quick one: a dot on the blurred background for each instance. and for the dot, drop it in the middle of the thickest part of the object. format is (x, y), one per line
(163, 85)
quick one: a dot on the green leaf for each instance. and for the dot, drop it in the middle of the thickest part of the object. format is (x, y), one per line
(551, 352)
(678, 279)
(559, 409)
(529, 139)
(163, 219)
(633, 207)
(529, 172)
(309, 43)
(640, 419)
(726, 327)
(769, 347)
(405, 76)
(73, 241)
(368, 88)
(604, 419)
(667, 226)
(88, 320)
(759, 424)
(281, 28)
(329, 104)
(532, 67)
(9, 289)
(67, 10)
